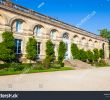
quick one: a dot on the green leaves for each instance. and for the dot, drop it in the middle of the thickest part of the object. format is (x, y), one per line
(75, 51)
(90, 56)
(105, 33)
(7, 47)
(31, 49)
(50, 54)
(82, 55)
(61, 51)
(101, 53)
(50, 49)
(96, 55)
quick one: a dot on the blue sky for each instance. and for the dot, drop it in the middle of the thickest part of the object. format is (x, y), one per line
(91, 15)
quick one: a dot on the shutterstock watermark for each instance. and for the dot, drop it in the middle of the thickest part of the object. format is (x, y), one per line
(93, 13)
(41, 4)
(9, 96)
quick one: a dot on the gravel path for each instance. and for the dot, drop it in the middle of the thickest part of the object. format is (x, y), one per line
(96, 79)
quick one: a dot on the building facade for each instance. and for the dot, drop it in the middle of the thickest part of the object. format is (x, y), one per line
(25, 23)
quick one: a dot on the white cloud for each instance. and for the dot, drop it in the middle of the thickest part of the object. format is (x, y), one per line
(41, 4)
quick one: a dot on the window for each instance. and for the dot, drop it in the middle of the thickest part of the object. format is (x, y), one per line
(38, 30)
(18, 26)
(18, 46)
(38, 48)
(65, 36)
(53, 34)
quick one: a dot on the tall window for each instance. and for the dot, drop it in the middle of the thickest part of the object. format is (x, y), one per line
(38, 48)
(65, 36)
(18, 26)
(53, 34)
(38, 30)
(18, 46)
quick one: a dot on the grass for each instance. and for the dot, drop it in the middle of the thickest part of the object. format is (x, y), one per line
(102, 66)
(9, 72)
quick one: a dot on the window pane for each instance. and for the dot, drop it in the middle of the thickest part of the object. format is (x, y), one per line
(38, 30)
(53, 34)
(18, 26)
(38, 47)
(18, 46)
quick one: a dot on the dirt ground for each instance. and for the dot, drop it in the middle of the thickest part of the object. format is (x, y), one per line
(96, 79)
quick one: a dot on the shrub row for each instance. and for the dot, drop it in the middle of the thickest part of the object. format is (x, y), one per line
(87, 56)
(21, 67)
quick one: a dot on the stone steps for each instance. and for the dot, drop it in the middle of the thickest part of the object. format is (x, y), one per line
(77, 64)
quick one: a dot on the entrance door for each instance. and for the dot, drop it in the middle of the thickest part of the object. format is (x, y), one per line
(66, 41)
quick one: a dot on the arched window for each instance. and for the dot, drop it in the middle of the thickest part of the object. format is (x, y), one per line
(19, 26)
(76, 39)
(83, 42)
(96, 44)
(53, 34)
(90, 44)
(38, 30)
(65, 36)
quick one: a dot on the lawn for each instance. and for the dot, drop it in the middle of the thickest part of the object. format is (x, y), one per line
(9, 72)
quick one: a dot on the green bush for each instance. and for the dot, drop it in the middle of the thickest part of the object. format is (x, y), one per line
(38, 66)
(50, 54)
(90, 56)
(101, 63)
(55, 65)
(7, 47)
(61, 52)
(47, 62)
(62, 64)
(96, 55)
(6, 65)
(75, 51)
(31, 49)
(82, 55)
(17, 66)
(101, 52)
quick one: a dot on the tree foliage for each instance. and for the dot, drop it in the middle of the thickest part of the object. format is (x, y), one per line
(82, 55)
(31, 49)
(96, 55)
(101, 52)
(61, 52)
(7, 47)
(50, 50)
(90, 56)
(105, 33)
(74, 51)
(50, 54)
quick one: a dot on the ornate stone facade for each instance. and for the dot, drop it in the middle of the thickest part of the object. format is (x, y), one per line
(25, 23)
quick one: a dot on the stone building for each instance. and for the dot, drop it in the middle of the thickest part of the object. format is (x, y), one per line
(26, 23)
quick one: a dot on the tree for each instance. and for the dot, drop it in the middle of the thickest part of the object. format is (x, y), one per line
(96, 55)
(83, 55)
(31, 49)
(61, 52)
(75, 51)
(50, 54)
(7, 47)
(101, 52)
(105, 33)
(90, 56)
